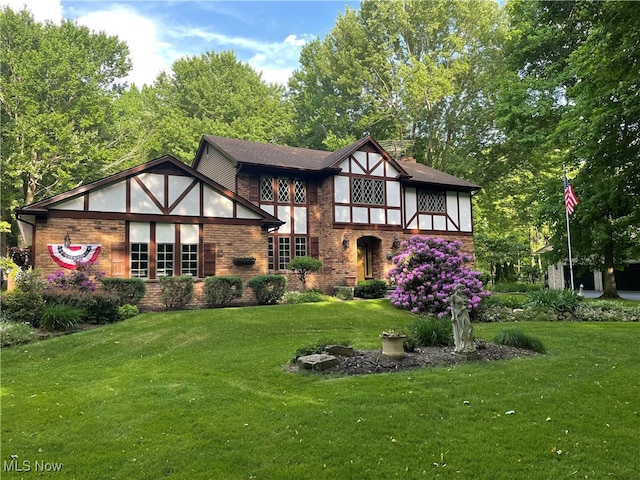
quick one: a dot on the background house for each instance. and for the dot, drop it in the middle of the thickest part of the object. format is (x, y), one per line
(350, 208)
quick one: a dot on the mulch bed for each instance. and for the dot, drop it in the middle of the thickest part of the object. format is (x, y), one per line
(372, 361)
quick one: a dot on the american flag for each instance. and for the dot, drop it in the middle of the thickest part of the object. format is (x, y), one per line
(570, 199)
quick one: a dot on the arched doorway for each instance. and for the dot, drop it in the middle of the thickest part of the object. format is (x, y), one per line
(369, 258)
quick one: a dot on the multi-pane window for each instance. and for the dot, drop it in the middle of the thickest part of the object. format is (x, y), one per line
(266, 189)
(164, 259)
(189, 264)
(431, 201)
(367, 191)
(301, 246)
(139, 260)
(284, 252)
(299, 191)
(283, 190)
(271, 255)
(163, 249)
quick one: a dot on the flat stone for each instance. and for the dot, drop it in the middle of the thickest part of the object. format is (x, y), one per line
(339, 350)
(318, 361)
(470, 356)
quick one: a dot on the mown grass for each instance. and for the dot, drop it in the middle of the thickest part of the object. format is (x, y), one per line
(203, 395)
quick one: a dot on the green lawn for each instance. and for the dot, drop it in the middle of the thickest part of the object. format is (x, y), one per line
(203, 395)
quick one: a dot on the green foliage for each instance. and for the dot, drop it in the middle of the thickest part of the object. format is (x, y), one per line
(432, 331)
(221, 290)
(344, 293)
(127, 311)
(268, 289)
(13, 333)
(515, 287)
(607, 311)
(217, 94)
(371, 289)
(558, 300)
(128, 290)
(176, 291)
(505, 300)
(303, 266)
(514, 337)
(102, 307)
(59, 83)
(24, 304)
(304, 297)
(60, 317)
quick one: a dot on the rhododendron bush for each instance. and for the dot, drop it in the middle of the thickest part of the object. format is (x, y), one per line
(426, 273)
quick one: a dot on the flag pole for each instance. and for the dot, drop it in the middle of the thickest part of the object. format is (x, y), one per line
(566, 211)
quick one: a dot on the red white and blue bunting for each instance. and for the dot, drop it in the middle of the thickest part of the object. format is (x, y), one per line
(69, 257)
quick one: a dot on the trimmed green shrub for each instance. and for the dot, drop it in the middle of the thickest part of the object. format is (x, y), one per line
(74, 297)
(344, 293)
(60, 317)
(304, 297)
(432, 331)
(12, 333)
(176, 291)
(370, 289)
(102, 307)
(128, 290)
(127, 311)
(220, 290)
(559, 300)
(303, 266)
(514, 337)
(268, 289)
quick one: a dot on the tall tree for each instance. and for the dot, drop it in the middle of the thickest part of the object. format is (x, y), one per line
(579, 67)
(214, 94)
(58, 84)
(412, 71)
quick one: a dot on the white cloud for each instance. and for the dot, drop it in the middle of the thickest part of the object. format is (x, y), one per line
(42, 10)
(154, 46)
(149, 54)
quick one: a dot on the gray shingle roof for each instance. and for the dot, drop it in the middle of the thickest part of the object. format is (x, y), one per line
(296, 158)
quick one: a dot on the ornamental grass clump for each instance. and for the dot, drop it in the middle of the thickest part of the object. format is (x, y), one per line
(426, 273)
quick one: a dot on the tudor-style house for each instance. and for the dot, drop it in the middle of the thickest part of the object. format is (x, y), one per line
(350, 208)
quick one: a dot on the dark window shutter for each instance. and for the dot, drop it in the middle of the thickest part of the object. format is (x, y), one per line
(209, 259)
(118, 259)
(254, 189)
(312, 187)
(314, 247)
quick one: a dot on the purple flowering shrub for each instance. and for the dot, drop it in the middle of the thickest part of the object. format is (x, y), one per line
(426, 273)
(83, 278)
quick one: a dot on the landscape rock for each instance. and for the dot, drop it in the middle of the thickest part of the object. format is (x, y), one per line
(340, 350)
(317, 361)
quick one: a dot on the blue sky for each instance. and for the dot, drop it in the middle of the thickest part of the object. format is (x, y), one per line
(266, 34)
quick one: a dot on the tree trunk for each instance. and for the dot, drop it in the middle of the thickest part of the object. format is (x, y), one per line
(608, 275)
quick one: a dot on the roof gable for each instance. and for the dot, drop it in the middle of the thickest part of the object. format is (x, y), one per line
(162, 186)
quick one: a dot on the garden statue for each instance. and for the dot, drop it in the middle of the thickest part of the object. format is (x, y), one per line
(462, 328)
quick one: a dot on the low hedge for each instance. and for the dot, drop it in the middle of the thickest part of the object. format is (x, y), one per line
(370, 289)
(129, 290)
(220, 290)
(268, 289)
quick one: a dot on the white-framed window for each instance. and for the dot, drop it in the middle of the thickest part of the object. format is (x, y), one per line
(300, 246)
(139, 260)
(189, 261)
(174, 251)
(266, 189)
(284, 252)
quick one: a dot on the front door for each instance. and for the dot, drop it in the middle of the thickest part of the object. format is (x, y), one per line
(368, 251)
